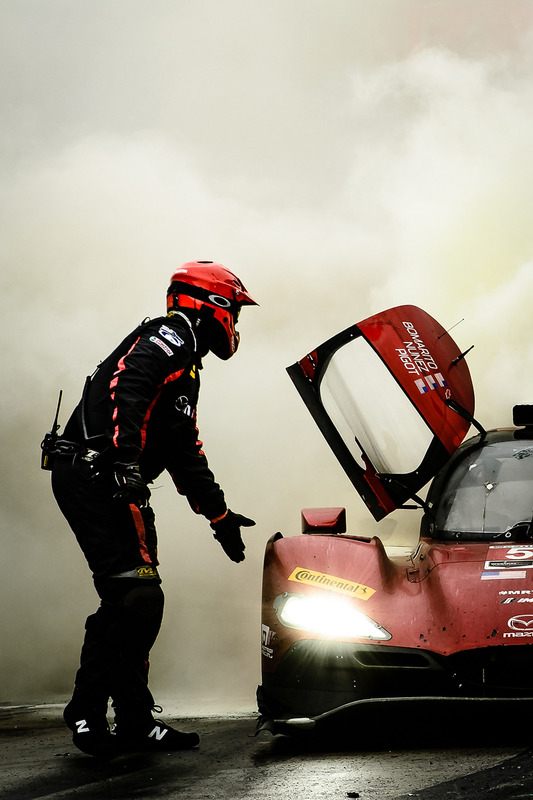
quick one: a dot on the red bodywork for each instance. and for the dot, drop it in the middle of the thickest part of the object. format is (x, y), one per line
(440, 598)
(459, 617)
(416, 349)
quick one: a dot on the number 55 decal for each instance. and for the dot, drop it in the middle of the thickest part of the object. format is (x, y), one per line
(519, 553)
(505, 557)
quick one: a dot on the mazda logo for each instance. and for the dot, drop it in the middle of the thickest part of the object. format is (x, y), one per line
(521, 623)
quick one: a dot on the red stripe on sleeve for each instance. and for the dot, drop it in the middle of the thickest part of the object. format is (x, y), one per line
(121, 367)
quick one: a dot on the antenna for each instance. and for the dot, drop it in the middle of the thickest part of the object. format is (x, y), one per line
(461, 356)
(450, 329)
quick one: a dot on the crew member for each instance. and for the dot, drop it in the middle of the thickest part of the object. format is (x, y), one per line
(137, 418)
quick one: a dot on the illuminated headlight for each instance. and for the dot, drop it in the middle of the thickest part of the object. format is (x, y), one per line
(327, 615)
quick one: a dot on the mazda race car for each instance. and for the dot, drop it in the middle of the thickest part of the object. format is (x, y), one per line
(349, 622)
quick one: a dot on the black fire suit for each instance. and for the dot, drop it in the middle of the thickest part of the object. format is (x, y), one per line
(138, 407)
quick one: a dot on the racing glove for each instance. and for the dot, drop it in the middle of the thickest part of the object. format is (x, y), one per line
(228, 533)
(131, 487)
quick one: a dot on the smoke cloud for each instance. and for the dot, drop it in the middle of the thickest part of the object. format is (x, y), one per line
(341, 158)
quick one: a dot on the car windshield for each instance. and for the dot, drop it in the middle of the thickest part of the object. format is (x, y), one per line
(490, 491)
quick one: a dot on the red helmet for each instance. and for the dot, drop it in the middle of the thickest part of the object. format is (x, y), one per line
(217, 295)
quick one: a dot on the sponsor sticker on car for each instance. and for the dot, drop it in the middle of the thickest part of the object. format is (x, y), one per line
(521, 627)
(324, 581)
(507, 562)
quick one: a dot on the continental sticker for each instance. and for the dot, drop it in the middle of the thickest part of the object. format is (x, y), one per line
(324, 581)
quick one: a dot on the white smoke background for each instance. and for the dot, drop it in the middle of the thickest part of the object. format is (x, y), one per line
(341, 158)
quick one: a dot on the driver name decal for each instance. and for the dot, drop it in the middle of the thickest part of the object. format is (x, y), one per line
(324, 581)
(419, 362)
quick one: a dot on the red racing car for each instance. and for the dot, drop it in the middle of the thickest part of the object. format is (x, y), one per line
(349, 624)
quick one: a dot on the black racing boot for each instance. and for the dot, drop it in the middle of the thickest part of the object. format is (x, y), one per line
(142, 732)
(90, 730)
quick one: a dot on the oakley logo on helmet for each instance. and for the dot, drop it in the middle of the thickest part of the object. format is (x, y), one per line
(217, 300)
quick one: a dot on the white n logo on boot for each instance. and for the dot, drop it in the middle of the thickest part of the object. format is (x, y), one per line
(157, 733)
(81, 726)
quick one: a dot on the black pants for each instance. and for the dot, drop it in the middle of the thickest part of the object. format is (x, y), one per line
(114, 660)
(116, 538)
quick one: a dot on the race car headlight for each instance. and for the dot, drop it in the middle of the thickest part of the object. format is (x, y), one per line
(327, 615)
